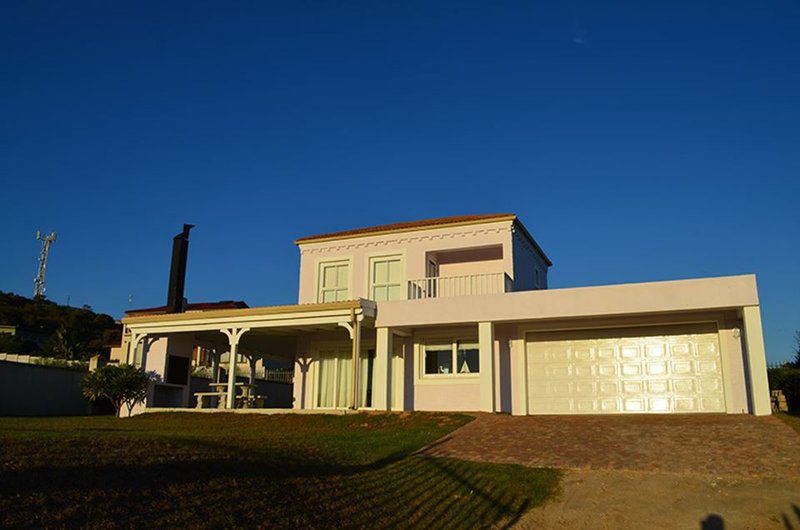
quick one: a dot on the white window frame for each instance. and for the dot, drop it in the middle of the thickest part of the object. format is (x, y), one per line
(371, 259)
(319, 276)
(454, 343)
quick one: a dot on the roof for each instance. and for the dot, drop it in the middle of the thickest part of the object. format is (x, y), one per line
(199, 306)
(425, 224)
(436, 222)
(250, 311)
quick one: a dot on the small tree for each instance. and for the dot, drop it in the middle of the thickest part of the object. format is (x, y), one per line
(796, 361)
(121, 384)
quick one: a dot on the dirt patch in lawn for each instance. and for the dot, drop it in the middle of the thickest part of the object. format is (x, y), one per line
(630, 499)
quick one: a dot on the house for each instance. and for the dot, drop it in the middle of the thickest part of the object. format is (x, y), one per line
(455, 314)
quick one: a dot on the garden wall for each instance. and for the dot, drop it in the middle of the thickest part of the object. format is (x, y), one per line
(33, 390)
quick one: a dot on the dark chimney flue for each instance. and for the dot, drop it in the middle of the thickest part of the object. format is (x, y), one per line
(177, 272)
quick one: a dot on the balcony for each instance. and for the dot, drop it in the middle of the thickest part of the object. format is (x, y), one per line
(450, 286)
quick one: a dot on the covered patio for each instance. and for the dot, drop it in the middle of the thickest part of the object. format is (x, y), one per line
(159, 343)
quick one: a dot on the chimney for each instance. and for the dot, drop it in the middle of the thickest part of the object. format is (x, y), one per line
(177, 273)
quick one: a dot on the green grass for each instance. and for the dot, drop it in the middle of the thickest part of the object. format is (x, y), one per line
(791, 420)
(212, 470)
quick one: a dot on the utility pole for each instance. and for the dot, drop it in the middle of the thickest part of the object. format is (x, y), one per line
(38, 282)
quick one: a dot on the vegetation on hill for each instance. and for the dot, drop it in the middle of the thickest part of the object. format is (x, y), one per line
(49, 329)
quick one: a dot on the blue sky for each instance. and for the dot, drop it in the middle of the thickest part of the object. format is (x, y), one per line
(636, 141)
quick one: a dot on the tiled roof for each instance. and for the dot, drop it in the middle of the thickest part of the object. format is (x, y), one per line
(199, 306)
(407, 226)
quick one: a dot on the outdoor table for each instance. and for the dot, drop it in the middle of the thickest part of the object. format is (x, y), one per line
(246, 390)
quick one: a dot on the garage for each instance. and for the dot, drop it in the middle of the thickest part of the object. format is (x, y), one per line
(655, 369)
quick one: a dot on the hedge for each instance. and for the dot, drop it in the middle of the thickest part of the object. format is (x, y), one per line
(787, 379)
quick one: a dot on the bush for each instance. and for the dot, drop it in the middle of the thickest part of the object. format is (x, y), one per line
(787, 379)
(121, 384)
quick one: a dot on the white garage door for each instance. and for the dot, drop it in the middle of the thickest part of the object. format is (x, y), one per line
(653, 369)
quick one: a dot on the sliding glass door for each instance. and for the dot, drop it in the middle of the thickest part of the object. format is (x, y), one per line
(335, 378)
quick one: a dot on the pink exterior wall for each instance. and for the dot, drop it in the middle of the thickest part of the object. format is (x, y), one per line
(412, 245)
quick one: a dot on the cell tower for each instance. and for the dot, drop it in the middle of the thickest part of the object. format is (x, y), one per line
(38, 282)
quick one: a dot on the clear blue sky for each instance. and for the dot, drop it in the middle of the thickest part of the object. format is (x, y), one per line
(636, 141)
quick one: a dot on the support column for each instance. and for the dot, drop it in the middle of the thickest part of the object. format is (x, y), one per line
(253, 360)
(756, 361)
(486, 355)
(519, 377)
(382, 382)
(233, 335)
(356, 359)
(215, 362)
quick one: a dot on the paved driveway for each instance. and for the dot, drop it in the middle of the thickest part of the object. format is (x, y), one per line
(708, 444)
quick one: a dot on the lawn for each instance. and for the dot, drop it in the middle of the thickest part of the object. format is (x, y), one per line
(211, 470)
(792, 420)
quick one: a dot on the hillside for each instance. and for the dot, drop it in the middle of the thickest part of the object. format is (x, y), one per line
(47, 328)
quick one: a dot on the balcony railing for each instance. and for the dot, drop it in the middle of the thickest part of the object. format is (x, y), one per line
(448, 286)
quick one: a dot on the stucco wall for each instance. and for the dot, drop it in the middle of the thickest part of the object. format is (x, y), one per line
(607, 300)
(526, 262)
(412, 245)
(31, 390)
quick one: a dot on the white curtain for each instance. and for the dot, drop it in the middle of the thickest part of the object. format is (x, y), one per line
(327, 380)
(345, 381)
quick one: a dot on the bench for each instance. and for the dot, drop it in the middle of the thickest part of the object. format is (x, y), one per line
(202, 396)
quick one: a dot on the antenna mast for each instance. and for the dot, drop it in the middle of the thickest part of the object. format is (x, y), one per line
(38, 282)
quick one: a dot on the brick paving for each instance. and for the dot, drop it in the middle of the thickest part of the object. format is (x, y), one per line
(713, 444)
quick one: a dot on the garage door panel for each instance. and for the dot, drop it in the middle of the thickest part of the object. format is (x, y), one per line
(618, 371)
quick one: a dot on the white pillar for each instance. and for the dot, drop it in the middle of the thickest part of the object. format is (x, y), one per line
(756, 361)
(382, 380)
(233, 335)
(253, 360)
(519, 377)
(486, 349)
(215, 362)
(356, 360)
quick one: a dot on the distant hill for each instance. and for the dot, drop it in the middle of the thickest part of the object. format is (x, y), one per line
(46, 328)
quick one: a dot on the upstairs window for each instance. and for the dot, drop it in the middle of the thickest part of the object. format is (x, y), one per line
(386, 278)
(334, 281)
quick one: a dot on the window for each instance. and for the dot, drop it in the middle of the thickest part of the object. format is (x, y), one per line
(138, 354)
(386, 277)
(440, 358)
(467, 357)
(334, 280)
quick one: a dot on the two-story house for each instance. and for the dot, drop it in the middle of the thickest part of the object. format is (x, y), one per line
(455, 314)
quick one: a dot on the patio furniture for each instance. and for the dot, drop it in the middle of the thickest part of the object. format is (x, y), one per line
(243, 391)
(207, 396)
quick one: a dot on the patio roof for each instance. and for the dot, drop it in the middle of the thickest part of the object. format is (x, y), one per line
(299, 317)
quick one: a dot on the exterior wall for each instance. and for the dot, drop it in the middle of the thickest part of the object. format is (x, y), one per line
(582, 302)
(527, 261)
(31, 390)
(412, 245)
(707, 300)
(473, 261)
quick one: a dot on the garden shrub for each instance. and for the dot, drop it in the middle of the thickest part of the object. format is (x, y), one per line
(787, 379)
